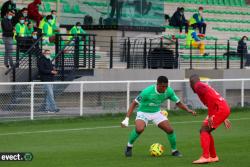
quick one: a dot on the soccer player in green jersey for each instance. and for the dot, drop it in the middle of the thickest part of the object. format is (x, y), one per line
(149, 101)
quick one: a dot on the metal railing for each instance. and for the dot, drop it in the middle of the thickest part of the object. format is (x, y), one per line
(222, 54)
(28, 50)
(99, 97)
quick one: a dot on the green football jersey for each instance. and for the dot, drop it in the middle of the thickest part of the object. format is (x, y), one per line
(150, 100)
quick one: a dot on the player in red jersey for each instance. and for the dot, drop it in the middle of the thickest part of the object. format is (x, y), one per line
(218, 112)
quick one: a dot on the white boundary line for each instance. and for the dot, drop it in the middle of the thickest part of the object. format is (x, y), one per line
(94, 128)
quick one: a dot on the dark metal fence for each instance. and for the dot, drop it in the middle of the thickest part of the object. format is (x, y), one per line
(88, 51)
(28, 50)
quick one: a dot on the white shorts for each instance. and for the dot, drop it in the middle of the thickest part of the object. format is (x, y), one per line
(156, 117)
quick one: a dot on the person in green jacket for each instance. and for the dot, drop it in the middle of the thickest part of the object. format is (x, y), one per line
(77, 29)
(198, 21)
(53, 23)
(48, 30)
(21, 28)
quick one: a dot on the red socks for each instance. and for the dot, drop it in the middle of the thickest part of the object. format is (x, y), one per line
(207, 144)
(212, 148)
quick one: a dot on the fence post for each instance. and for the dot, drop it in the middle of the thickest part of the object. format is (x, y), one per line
(228, 49)
(57, 48)
(17, 52)
(32, 101)
(145, 53)
(84, 51)
(242, 93)
(111, 53)
(63, 72)
(89, 50)
(215, 55)
(176, 53)
(191, 56)
(57, 44)
(30, 68)
(161, 54)
(81, 99)
(168, 102)
(128, 95)
(124, 53)
(76, 52)
(93, 48)
(241, 60)
(128, 54)
(14, 74)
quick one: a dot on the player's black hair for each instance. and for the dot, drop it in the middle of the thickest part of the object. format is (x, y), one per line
(162, 79)
(194, 78)
(78, 23)
(49, 17)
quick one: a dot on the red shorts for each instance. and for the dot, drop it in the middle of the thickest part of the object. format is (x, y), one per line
(219, 115)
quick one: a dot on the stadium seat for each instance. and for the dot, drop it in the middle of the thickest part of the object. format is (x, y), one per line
(47, 7)
(76, 8)
(66, 8)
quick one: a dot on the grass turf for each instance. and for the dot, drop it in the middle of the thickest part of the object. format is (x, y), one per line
(99, 142)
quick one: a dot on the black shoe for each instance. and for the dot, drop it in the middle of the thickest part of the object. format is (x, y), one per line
(128, 151)
(57, 110)
(206, 54)
(176, 153)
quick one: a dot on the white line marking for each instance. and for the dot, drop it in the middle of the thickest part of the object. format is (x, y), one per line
(101, 127)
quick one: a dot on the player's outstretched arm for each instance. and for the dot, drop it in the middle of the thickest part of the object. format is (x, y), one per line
(125, 122)
(184, 107)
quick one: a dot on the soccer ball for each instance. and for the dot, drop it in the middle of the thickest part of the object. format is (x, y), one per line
(164, 112)
(156, 150)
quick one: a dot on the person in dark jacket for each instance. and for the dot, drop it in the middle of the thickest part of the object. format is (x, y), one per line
(47, 73)
(178, 20)
(8, 33)
(7, 6)
(116, 6)
(142, 6)
(33, 11)
(242, 49)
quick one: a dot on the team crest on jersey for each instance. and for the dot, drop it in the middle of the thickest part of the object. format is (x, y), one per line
(139, 98)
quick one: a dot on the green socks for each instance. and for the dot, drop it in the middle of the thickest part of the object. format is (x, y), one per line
(132, 137)
(172, 140)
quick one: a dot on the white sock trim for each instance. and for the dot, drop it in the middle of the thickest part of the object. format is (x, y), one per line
(130, 145)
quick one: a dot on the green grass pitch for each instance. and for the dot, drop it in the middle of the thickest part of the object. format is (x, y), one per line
(100, 142)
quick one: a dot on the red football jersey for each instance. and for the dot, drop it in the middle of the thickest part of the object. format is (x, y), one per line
(209, 97)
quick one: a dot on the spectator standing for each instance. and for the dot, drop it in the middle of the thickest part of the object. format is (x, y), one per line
(21, 13)
(22, 34)
(47, 73)
(21, 28)
(8, 33)
(243, 51)
(8, 6)
(48, 31)
(53, 23)
(197, 21)
(178, 20)
(33, 11)
(116, 6)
